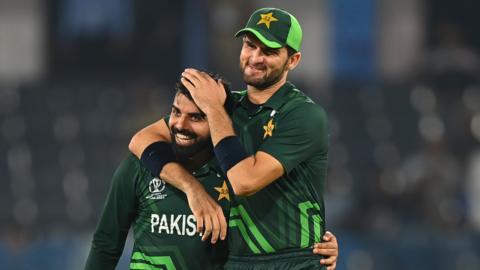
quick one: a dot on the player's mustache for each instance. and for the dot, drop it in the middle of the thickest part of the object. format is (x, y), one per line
(256, 66)
(259, 67)
(183, 132)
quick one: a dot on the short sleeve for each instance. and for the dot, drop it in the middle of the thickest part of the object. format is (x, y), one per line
(297, 135)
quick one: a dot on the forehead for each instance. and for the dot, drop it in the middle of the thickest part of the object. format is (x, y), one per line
(184, 104)
(253, 39)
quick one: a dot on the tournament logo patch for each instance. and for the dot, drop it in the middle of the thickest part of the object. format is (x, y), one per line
(156, 186)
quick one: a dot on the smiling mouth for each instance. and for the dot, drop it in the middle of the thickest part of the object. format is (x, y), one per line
(255, 72)
(183, 139)
(256, 69)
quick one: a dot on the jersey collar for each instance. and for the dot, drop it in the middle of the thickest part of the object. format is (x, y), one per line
(274, 102)
(209, 167)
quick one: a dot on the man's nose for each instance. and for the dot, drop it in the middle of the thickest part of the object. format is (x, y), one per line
(181, 123)
(257, 57)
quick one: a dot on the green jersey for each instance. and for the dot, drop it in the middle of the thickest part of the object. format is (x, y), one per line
(163, 225)
(288, 214)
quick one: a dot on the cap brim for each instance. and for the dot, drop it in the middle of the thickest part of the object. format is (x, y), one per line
(267, 39)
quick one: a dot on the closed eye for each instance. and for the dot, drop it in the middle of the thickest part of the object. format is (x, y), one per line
(270, 51)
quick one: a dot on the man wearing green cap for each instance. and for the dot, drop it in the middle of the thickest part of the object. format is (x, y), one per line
(159, 215)
(273, 149)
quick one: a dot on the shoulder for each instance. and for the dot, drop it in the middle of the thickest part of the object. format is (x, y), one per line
(129, 169)
(130, 163)
(298, 104)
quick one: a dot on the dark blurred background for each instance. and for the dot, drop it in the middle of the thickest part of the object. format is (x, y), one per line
(399, 79)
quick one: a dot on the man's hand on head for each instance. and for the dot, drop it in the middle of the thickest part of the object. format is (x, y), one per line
(208, 94)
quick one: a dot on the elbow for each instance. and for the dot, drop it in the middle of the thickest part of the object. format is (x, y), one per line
(133, 146)
(245, 178)
(244, 188)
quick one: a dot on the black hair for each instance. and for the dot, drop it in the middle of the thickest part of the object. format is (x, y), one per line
(290, 51)
(229, 102)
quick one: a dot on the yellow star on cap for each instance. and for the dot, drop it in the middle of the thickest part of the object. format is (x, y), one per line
(268, 129)
(223, 192)
(267, 18)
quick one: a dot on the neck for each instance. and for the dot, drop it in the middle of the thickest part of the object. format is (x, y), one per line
(260, 96)
(196, 161)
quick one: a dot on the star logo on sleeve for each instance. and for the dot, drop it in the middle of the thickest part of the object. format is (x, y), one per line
(268, 129)
(267, 18)
(223, 192)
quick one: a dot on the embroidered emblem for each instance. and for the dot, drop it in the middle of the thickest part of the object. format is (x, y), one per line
(267, 18)
(223, 192)
(268, 129)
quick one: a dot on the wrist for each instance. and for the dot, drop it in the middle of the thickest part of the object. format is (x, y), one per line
(214, 110)
(156, 156)
(191, 187)
(179, 177)
(229, 152)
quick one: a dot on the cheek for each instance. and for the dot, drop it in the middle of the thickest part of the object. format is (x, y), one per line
(171, 122)
(242, 60)
(201, 129)
(244, 55)
(275, 65)
(204, 132)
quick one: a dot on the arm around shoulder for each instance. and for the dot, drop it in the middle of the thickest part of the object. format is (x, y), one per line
(206, 211)
(254, 173)
(157, 131)
(298, 134)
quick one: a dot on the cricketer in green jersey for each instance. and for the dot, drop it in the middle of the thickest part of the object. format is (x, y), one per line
(274, 153)
(163, 225)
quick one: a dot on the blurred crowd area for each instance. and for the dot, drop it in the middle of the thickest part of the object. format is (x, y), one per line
(399, 80)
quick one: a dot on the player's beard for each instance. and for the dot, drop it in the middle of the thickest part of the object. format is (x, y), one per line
(184, 152)
(267, 80)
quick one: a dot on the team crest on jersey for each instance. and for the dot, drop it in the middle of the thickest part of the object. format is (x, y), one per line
(223, 192)
(156, 187)
(268, 128)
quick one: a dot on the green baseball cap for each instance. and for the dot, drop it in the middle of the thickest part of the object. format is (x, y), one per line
(275, 28)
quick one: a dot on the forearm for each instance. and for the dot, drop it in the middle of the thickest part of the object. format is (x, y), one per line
(209, 216)
(254, 173)
(241, 177)
(220, 124)
(159, 159)
(251, 173)
(177, 176)
(155, 132)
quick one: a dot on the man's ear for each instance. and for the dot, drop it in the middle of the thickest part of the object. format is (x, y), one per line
(294, 60)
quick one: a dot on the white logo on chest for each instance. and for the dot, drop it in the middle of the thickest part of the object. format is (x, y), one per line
(156, 186)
